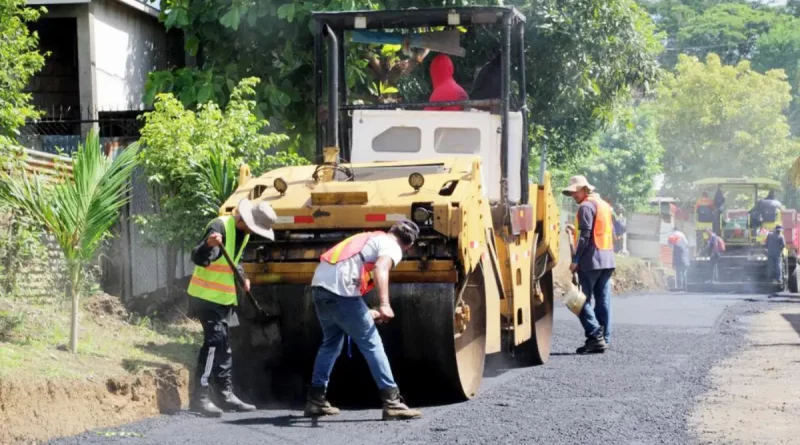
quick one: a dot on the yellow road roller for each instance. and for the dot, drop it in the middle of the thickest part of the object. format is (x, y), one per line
(478, 281)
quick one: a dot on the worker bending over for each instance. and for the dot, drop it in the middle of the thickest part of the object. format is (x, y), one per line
(344, 275)
(680, 257)
(213, 288)
(594, 261)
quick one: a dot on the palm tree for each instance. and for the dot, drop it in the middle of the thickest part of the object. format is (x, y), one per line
(80, 211)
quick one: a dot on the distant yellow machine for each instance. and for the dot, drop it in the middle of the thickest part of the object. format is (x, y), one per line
(479, 280)
(743, 266)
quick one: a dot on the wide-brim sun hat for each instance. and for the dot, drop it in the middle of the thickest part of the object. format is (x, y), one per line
(259, 218)
(576, 183)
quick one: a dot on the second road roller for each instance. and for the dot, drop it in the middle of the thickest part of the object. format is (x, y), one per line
(479, 280)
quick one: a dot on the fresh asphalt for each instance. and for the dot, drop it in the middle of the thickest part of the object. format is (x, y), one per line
(640, 392)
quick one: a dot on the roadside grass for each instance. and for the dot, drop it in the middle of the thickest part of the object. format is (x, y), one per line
(34, 338)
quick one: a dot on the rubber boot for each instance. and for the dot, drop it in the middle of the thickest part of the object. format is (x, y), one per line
(201, 403)
(593, 345)
(317, 405)
(394, 408)
(229, 401)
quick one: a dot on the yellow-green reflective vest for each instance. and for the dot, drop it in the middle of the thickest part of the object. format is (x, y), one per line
(216, 282)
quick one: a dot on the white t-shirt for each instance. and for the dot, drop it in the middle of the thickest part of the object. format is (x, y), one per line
(344, 277)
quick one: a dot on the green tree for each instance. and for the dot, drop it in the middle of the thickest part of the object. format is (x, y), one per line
(191, 161)
(719, 120)
(730, 30)
(19, 61)
(626, 158)
(79, 212)
(780, 49)
(580, 55)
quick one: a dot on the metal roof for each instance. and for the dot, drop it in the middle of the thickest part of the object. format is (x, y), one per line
(761, 182)
(418, 18)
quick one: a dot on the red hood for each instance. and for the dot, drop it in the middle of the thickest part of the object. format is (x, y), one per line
(441, 70)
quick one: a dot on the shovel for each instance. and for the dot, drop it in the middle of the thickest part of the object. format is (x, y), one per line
(240, 280)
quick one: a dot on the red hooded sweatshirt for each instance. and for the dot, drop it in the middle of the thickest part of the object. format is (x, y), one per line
(445, 88)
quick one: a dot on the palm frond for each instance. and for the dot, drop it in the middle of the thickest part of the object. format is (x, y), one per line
(77, 212)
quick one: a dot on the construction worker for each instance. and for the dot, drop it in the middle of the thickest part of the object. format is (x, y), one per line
(714, 250)
(680, 257)
(765, 210)
(213, 291)
(344, 275)
(775, 244)
(594, 261)
(703, 201)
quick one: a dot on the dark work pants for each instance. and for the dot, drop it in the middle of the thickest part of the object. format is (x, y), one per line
(215, 359)
(680, 276)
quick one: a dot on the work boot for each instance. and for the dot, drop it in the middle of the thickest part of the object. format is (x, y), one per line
(394, 408)
(229, 401)
(201, 403)
(593, 345)
(317, 405)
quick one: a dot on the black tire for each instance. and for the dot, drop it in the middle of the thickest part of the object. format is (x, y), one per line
(793, 280)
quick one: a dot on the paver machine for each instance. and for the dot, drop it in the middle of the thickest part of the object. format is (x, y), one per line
(743, 266)
(478, 281)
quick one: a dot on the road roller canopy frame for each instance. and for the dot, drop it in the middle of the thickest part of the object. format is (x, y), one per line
(336, 129)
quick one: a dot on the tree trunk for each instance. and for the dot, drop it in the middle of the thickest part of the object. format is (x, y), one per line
(172, 265)
(74, 294)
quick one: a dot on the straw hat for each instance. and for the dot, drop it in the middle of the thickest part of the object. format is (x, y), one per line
(259, 218)
(576, 183)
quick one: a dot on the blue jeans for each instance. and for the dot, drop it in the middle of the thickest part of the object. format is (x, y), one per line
(596, 283)
(776, 267)
(347, 315)
(680, 276)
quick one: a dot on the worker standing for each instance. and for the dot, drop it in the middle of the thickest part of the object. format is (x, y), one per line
(680, 257)
(775, 245)
(344, 275)
(594, 261)
(213, 288)
(714, 250)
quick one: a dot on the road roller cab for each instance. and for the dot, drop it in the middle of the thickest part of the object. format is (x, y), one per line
(479, 279)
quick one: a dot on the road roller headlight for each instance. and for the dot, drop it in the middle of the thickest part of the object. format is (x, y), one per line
(416, 180)
(280, 185)
(420, 215)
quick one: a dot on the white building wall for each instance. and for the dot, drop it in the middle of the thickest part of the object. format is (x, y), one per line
(128, 45)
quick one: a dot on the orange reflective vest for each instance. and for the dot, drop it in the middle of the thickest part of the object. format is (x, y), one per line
(603, 230)
(349, 248)
(704, 202)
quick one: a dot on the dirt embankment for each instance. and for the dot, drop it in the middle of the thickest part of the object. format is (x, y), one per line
(127, 368)
(631, 275)
(33, 410)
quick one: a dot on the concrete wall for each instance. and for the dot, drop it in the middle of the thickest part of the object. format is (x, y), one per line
(128, 45)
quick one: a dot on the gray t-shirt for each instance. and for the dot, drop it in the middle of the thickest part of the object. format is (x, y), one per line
(344, 278)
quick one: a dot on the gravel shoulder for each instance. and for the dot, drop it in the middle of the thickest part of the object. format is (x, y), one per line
(755, 397)
(641, 392)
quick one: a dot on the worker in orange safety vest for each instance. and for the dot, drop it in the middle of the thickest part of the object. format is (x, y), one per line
(346, 273)
(594, 262)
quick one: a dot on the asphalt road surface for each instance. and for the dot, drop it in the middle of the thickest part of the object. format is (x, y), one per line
(640, 392)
